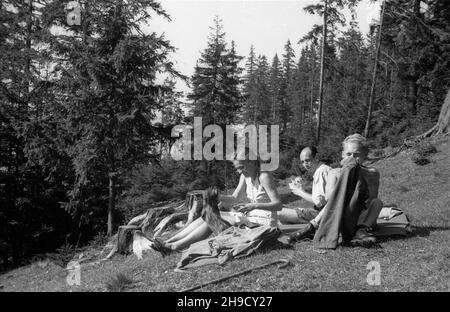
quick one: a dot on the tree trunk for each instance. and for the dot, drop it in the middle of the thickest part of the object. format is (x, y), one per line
(414, 76)
(322, 68)
(442, 126)
(255, 113)
(412, 94)
(125, 238)
(444, 116)
(374, 73)
(111, 202)
(311, 104)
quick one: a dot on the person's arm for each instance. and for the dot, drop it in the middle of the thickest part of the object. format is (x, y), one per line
(239, 192)
(299, 190)
(227, 201)
(275, 203)
(302, 193)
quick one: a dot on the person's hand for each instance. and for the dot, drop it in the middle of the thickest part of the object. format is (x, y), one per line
(297, 191)
(244, 208)
(296, 185)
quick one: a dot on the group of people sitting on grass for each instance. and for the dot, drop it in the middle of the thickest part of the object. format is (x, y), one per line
(344, 203)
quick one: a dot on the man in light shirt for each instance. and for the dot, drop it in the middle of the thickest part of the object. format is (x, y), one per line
(355, 148)
(317, 197)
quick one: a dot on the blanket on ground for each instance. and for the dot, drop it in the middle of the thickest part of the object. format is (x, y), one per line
(231, 243)
(391, 222)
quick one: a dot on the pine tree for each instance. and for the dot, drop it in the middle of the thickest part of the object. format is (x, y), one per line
(329, 11)
(416, 50)
(171, 104)
(107, 95)
(23, 89)
(303, 82)
(286, 88)
(233, 80)
(347, 109)
(262, 108)
(216, 94)
(275, 84)
(249, 91)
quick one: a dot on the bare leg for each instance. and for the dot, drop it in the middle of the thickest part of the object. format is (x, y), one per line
(200, 233)
(186, 231)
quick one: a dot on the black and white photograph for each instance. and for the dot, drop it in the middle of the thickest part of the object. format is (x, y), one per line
(241, 149)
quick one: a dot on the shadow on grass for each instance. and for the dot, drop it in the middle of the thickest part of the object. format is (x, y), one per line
(416, 231)
(422, 231)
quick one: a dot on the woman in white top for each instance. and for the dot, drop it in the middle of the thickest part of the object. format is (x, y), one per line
(261, 203)
(257, 195)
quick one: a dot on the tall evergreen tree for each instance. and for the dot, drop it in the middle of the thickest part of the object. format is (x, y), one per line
(275, 85)
(287, 85)
(107, 95)
(249, 91)
(350, 85)
(332, 17)
(170, 103)
(216, 94)
(26, 196)
(262, 108)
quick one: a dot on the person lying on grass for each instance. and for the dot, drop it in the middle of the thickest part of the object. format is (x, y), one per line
(354, 146)
(256, 187)
(317, 197)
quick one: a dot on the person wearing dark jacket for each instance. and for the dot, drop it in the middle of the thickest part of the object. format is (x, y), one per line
(353, 205)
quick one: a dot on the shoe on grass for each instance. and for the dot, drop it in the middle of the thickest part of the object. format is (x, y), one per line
(306, 233)
(363, 237)
(160, 247)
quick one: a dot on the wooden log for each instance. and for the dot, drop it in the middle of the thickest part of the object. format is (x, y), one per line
(167, 221)
(192, 210)
(157, 219)
(141, 243)
(125, 238)
(138, 219)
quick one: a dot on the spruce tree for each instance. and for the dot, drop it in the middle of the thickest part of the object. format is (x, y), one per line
(216, 94)
(107, 94)
(249, 90)
(262, 108)
(275, 85)
(286, 88)
(23, 92)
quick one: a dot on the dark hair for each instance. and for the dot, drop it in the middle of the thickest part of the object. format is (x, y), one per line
(313, 150)
(247, 154)
(211, 212)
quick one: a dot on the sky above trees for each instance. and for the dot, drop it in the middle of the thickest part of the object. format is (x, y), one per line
(265, 24)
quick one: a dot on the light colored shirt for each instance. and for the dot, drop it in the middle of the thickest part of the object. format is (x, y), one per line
(257, 194)
(319, 185)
